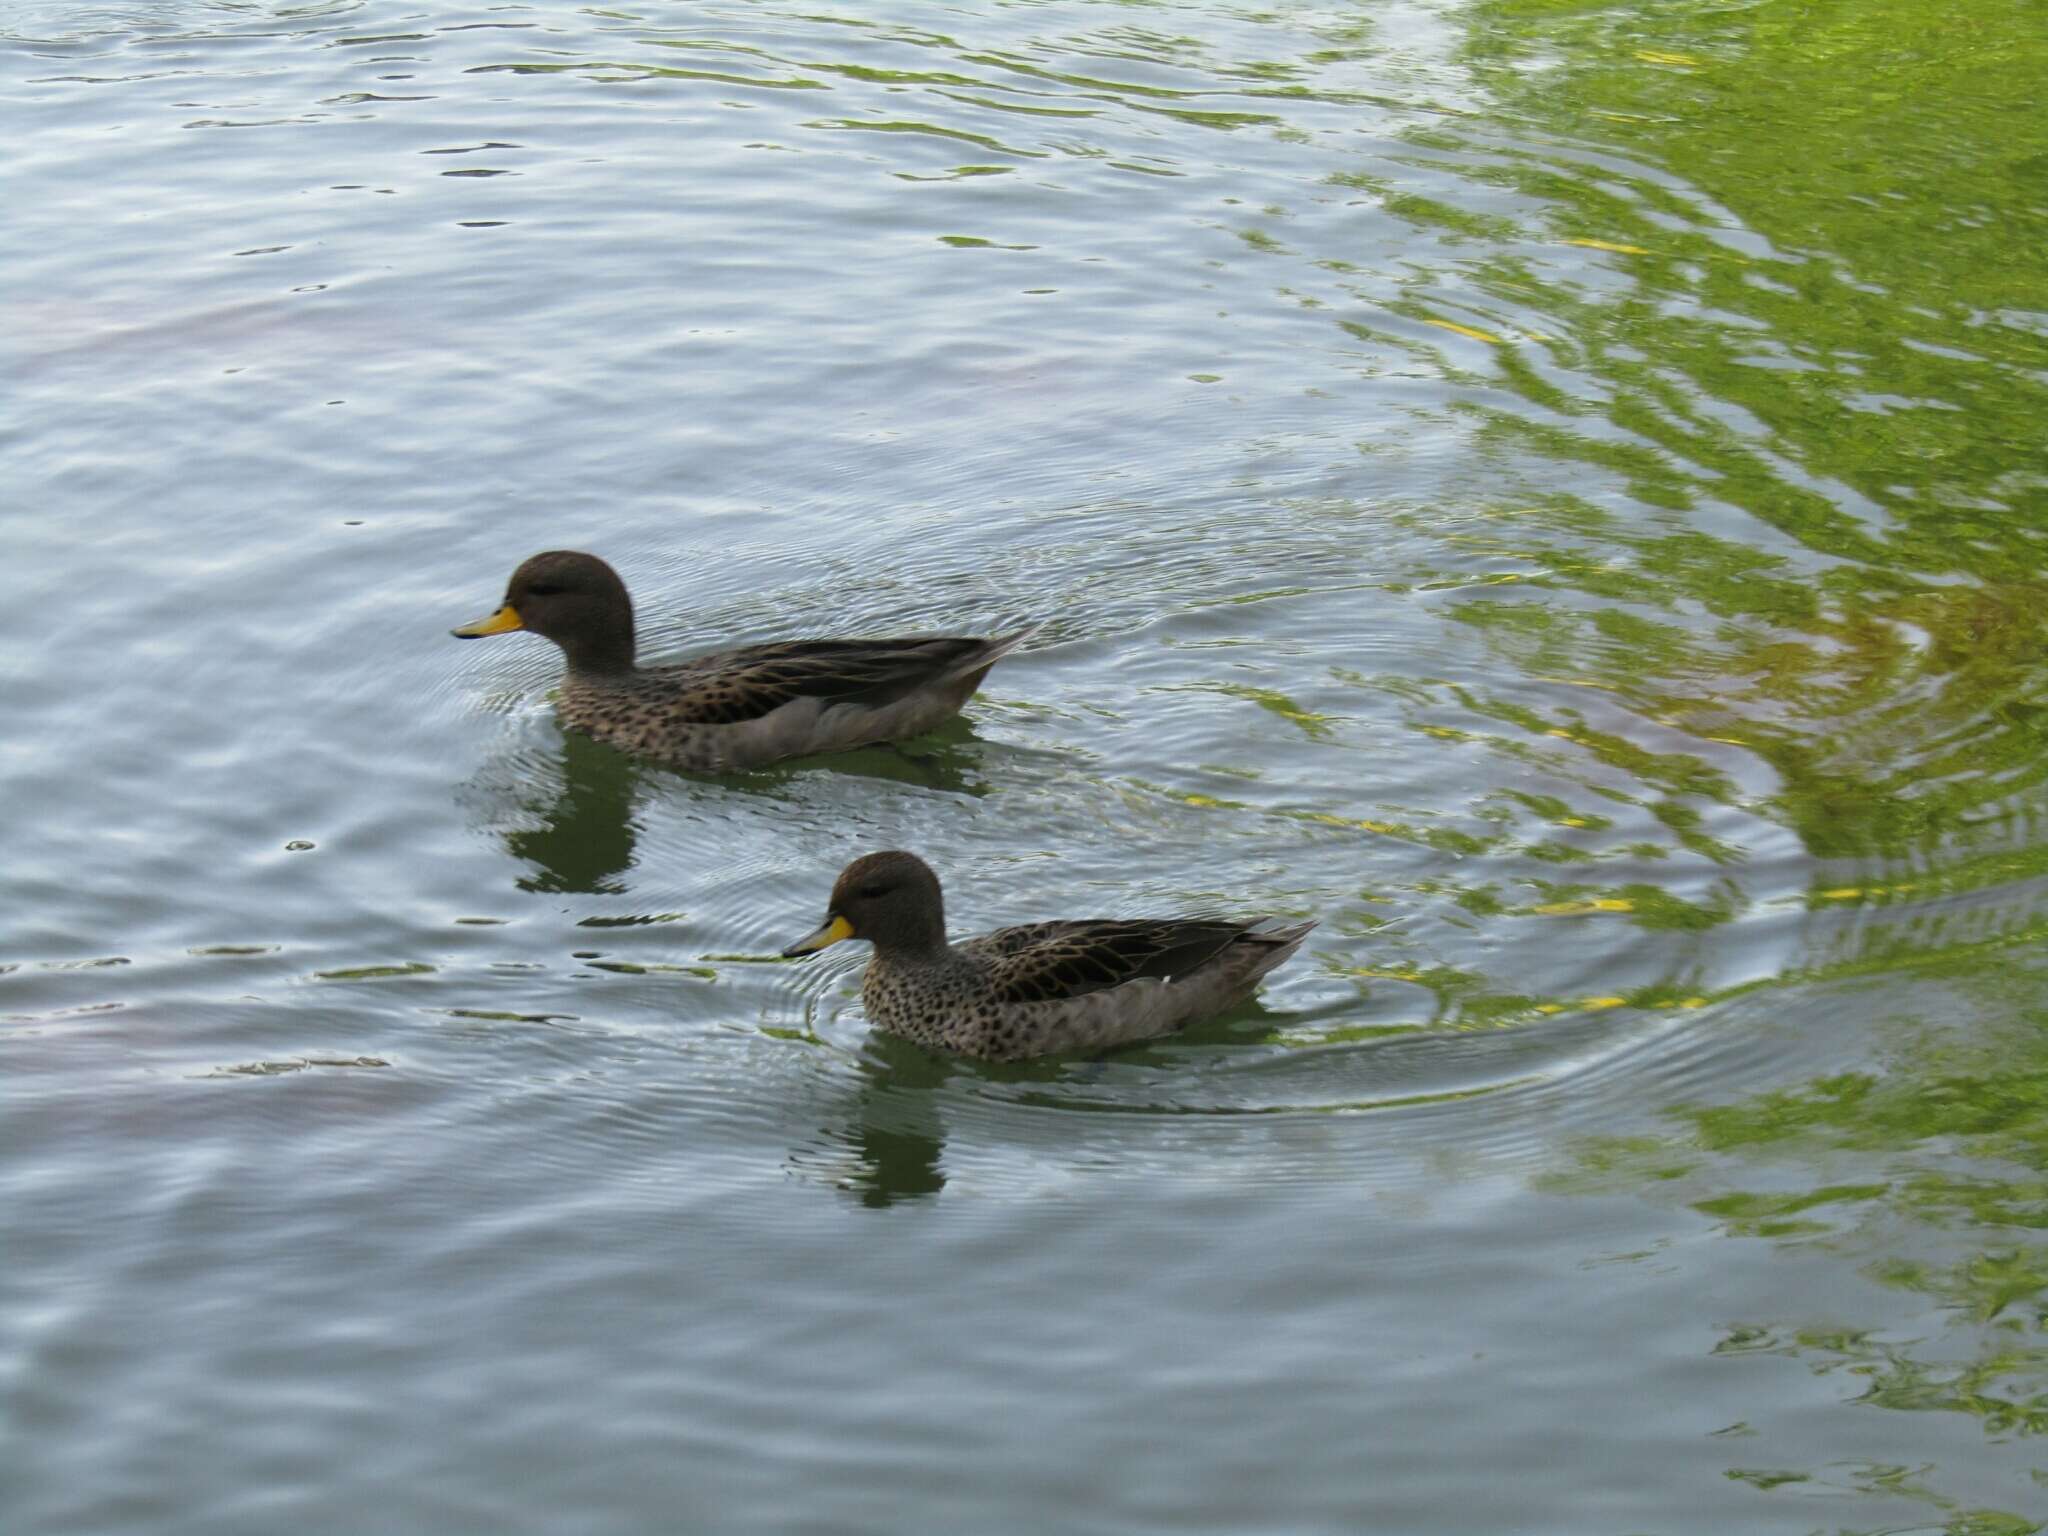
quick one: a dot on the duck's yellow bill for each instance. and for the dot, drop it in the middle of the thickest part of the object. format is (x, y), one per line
(835, 929)
(504, 621)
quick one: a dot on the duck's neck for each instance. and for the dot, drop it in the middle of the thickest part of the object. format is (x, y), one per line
(921, 941)
(604, 650)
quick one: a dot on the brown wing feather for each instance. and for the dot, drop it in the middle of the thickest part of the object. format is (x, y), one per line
(1043, 962)
(745, 684)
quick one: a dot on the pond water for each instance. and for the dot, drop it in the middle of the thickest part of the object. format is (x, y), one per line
(1557, 493)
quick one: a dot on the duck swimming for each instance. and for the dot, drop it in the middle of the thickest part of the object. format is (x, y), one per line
(738, 708)
(1067, 985)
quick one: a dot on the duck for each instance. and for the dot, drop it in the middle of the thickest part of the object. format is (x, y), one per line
(1041, 989)
(732, 709)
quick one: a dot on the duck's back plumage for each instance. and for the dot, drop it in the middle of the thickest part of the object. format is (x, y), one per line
(1078, 985)
(736, 708)
(1045, 962)
(744, 707)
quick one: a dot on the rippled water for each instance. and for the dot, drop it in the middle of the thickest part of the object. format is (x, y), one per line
(1555, 493)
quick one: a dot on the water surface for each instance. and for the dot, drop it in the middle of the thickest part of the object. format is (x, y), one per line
(1555, 493)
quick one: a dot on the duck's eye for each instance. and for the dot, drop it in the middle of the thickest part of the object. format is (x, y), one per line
(872, 892)
(545, 589)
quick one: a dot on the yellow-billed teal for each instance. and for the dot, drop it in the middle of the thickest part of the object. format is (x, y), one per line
(1074, 985)
(738, 708)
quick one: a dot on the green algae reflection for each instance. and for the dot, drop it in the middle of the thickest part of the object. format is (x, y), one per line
(1842, 334)
(1783, 278)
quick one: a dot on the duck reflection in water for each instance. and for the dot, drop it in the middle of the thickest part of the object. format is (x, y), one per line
(889, 1146)
(882, 1139)
(895, 1133)
(588, 827)
(586, 836)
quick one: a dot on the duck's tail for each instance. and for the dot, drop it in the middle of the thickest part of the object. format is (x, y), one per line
(986, 654)
(1270, 942)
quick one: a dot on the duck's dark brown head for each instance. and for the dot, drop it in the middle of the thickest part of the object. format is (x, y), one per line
(890, 899)
(575, 600)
